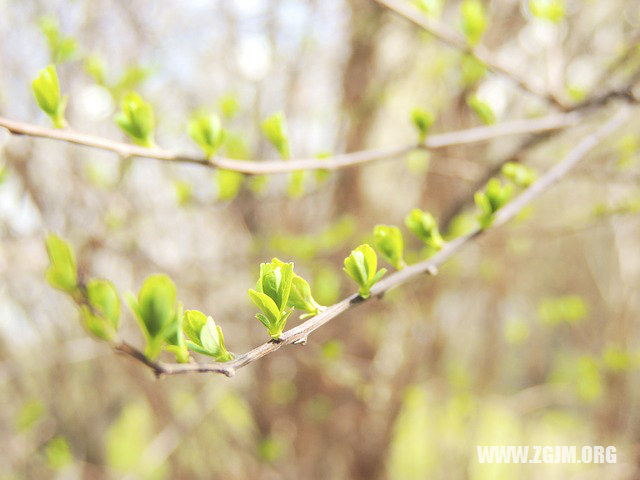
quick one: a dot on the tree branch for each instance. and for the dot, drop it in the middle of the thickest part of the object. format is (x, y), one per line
(452, 38)
(260, 167)
(299, 334)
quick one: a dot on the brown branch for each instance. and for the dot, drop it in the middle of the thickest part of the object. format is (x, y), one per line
(299, 334)
(453, 39)
(258, 167)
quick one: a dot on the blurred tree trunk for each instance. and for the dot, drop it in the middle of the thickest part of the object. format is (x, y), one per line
(358, 102)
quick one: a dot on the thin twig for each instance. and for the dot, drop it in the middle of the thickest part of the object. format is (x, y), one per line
(452, 38)
(259, 167)
(299, 334)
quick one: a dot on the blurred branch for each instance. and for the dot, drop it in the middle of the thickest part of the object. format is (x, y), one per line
(257, 167)
(299, 334)
(450, 37)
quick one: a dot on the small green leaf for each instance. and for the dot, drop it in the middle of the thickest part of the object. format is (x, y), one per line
(489, 201)
(295, 187)
(213, 341)
(482, 110)
(95, 67)
(104, 309)
(300, 294)
(46, 89)
(422, 120)
(229, 183)
(274, 129)
(431, 8)
(155, 309)
(472, 70)
(474, 20)
(267, 305)
(388, 240)
(183, 191)
(272, 295)
(424, 226)
(206, 130)
(58, 453)
(137, 120)
(275, 281)
(519, 174)
(229, 106)
(62, 48)
(192, 324)
(62, 272)
(361, 266)
(551, 10)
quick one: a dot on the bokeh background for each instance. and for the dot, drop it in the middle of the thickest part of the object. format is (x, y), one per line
(529, 336)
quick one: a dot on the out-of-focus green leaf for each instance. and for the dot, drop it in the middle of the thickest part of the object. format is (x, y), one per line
(46, 89)
(137, 120)
(493, 198)
(422, 120)
(229, 183)
(474, 20)
(58, 453)
(155, 309)
(206, 130)
(424, 226)
(567, 309)
(552, 10)
(62, 272)
(519, 174)
(183, 191)
(61, 48)
(388, 240)
(102, 315)
(274, 129)
(29, 414)
(472, 70)
(482, 110)
(229, 106)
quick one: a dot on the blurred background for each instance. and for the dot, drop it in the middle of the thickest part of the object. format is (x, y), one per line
(529, 336)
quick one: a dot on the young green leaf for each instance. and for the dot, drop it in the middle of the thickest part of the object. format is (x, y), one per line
(174, 336)
(551, 10)
(62, 48)
(137, 120)
(102, 314)
(206, 130)
(205, 336)
(155, 309)
(472, 70)
(474, 20)
(424, 226)
(229, 183)
(300, 296)
(361, 266)
(482, 110)
(422, 120)
(295, 187)
(46, 89)
(489, 201)
(62, 272)
(388, 240)
(271, 295)
(275, 129)
(519, 174)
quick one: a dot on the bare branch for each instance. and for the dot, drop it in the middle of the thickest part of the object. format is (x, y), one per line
(452, 38)
(299, 334)
(259, 167)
